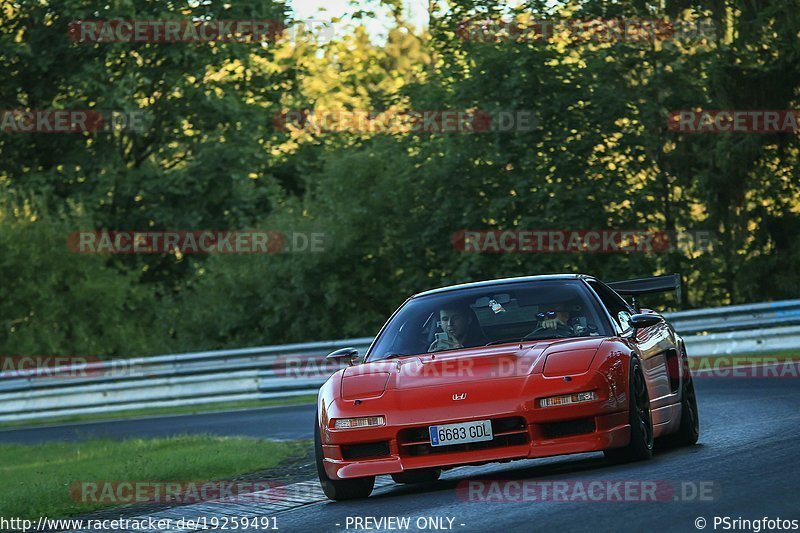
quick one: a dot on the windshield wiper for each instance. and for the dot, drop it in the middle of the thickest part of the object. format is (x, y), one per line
(529, 337)
(546, 335)
(391, 356)
(503, 341)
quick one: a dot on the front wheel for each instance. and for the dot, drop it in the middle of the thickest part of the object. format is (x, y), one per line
(339, 489)
(640, 446)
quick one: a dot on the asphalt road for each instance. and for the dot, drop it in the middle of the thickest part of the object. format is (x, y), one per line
(746, 465)
(280, 422)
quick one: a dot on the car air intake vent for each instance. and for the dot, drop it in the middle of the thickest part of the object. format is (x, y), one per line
(365, 451)
(555, 430)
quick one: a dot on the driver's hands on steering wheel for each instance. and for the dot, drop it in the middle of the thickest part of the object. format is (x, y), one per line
(553, 327)
(552, 323)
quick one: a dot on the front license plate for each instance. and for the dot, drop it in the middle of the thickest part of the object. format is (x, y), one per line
(462, 433)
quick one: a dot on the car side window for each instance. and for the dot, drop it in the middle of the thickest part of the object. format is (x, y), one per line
(617, 307)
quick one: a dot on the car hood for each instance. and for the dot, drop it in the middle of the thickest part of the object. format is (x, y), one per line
(470, 365)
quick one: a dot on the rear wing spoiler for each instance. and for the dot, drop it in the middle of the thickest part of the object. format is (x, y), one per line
(637, 287)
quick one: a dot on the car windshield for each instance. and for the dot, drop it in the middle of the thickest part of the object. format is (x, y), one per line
(491, 314)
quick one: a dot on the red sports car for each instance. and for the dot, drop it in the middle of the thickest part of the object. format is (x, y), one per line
(501, 370)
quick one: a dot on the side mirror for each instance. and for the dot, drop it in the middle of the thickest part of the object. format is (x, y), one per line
(644, 320)
(343, 353)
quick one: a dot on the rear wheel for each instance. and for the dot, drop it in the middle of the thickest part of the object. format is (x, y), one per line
(689, 430)
(426, 475)
(339, 489)
(640, 446)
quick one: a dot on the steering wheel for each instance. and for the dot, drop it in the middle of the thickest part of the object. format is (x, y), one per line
(561, 330)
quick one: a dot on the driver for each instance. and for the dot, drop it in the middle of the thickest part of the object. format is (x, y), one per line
(459, 329)
(559, 318)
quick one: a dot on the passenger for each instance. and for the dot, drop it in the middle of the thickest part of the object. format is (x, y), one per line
(460, 329)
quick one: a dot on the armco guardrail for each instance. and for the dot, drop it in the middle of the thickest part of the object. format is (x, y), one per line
(736, 317)
(282, 371)
(170, 380)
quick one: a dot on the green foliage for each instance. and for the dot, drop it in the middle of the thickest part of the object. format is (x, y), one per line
(600, 157)
(55, 301)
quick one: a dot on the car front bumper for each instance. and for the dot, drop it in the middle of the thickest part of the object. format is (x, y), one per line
(521, 428)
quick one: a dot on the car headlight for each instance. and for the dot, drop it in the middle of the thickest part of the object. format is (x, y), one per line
(360, 386)
(361, 422)
(568, 362)
(568, 399)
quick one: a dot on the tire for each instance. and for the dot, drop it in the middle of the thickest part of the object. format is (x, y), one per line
(423, 475)
(689, 430)
(640, 446)
(343, 489)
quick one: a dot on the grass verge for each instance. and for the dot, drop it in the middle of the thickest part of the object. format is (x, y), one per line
(163, 411)
(38, 478)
